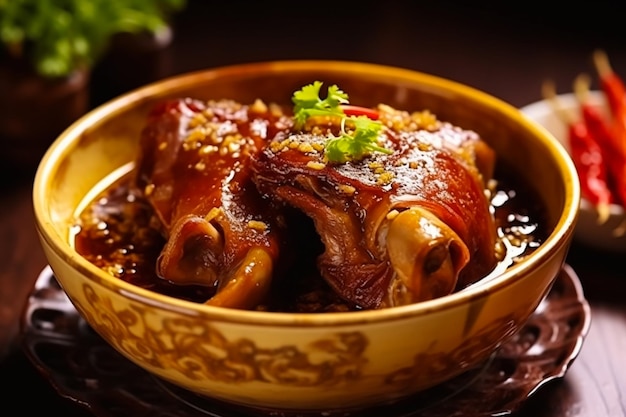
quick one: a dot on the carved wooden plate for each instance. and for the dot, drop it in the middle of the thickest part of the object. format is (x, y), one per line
(83, 368)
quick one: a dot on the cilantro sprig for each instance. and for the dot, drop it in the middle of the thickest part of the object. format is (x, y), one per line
(359, 134)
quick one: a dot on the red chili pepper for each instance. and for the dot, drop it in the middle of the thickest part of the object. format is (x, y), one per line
(615, 92)
(351, 110)
(611, 84)
(613, 152)
(587, 157)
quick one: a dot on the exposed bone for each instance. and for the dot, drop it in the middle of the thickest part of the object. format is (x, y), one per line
(248, 285)
(191, 253)
(426, 255)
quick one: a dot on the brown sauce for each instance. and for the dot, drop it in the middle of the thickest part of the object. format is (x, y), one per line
(118, 233)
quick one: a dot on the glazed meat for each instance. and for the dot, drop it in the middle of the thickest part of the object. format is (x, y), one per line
(397, 228)
(193, 169)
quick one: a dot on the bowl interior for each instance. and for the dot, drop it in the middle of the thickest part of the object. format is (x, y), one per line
(106, 139)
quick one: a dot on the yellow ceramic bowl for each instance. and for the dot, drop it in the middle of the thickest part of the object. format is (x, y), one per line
(297, 361)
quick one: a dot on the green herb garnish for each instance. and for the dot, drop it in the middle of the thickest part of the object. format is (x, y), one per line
(359, 133)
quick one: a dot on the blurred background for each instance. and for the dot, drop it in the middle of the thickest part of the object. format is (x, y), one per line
(500, 47)
(108, 47)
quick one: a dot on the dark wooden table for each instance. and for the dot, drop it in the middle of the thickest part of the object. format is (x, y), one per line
(507, 53)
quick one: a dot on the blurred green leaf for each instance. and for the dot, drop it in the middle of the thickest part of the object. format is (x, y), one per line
(60, 36)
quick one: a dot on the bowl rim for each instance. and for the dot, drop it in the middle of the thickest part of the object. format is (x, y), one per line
(62, 145)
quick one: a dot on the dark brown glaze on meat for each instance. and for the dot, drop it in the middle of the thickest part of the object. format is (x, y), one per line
(193, 168)
(399, 228)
